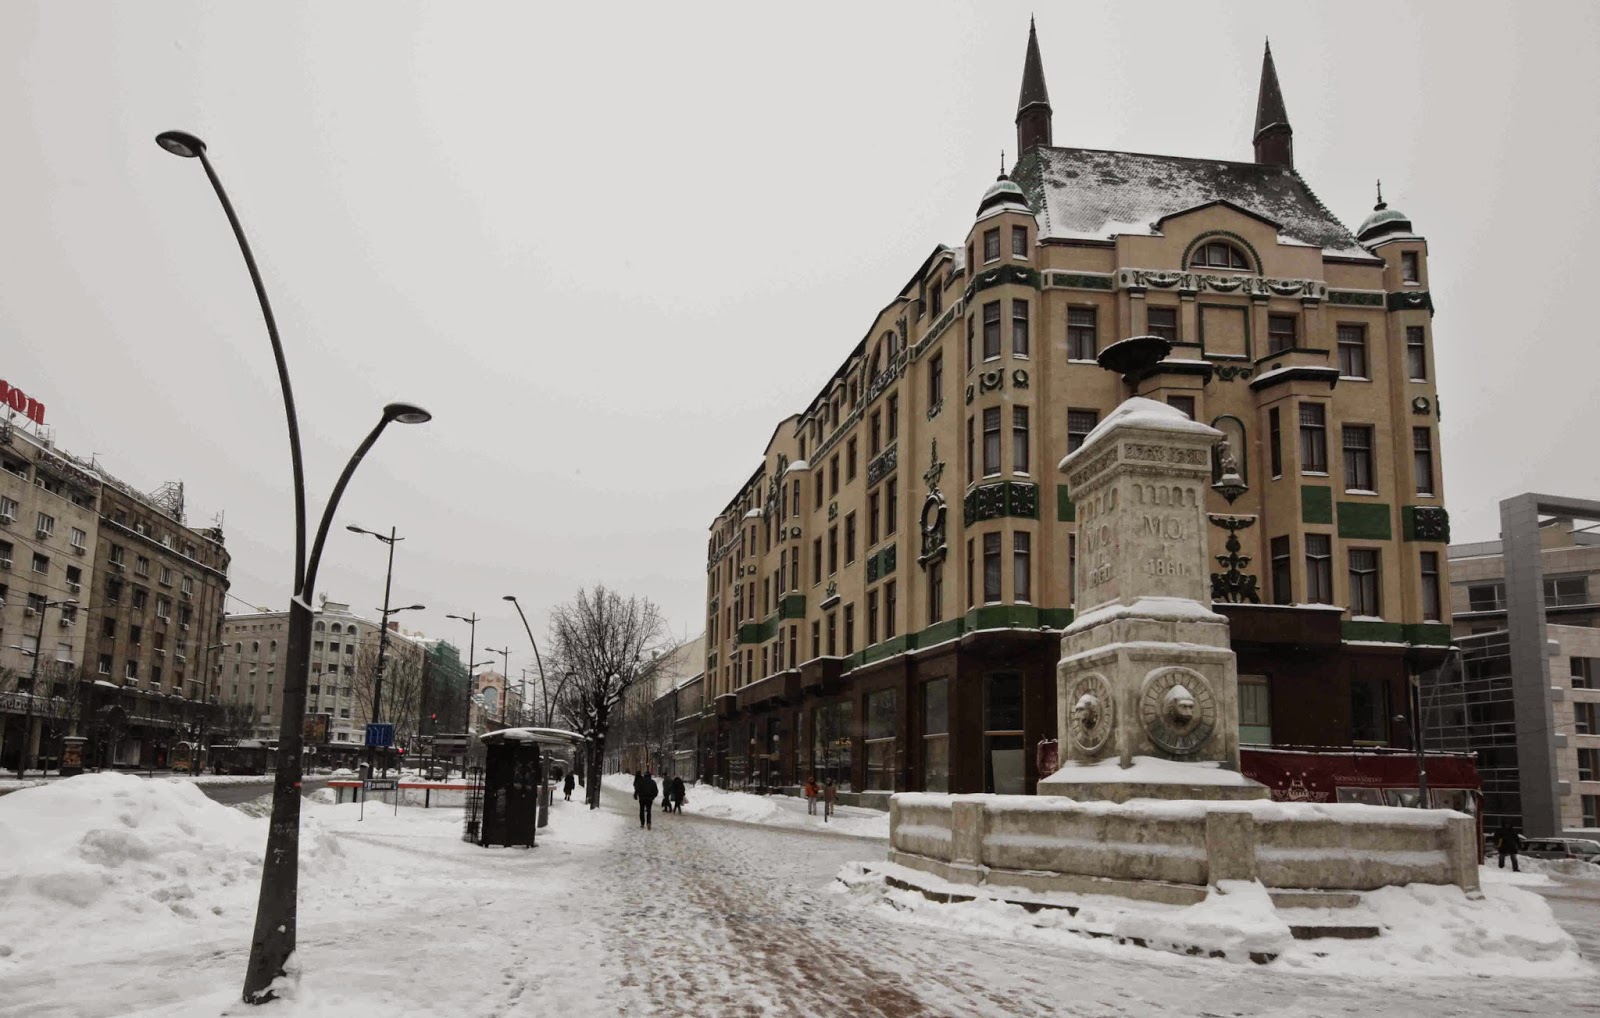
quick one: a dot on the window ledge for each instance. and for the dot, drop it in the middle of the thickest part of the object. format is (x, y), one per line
(1360, 491)
(1313, 473)
(1354, 378)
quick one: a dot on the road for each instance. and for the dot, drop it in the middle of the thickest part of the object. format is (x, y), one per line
(232, 795)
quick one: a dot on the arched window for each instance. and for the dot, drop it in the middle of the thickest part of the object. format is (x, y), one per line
(338, 628)
(238, 648)
(320, 627)
(255, 646)
(274, 646)
(1218, 254)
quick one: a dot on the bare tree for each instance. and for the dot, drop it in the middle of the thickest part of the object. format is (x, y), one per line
(403, 676)
(605, 640)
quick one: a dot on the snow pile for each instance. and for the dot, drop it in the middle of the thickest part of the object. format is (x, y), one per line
(137, 860)
(1424, 929)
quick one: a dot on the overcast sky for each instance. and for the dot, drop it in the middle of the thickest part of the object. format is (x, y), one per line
(610, 246)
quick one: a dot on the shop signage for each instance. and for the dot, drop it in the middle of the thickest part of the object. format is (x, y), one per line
(21, 402)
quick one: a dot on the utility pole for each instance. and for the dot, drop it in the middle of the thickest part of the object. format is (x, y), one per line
(472, 651)
(505, 671)
(383, 635)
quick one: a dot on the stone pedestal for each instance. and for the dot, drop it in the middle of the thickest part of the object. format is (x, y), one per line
(1147, 697)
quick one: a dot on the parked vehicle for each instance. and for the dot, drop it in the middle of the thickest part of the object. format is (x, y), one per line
(1563, 848)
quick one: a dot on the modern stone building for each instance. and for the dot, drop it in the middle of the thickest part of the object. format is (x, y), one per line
(343, 662)
(885, 592)
(1526, 699)
(128, 664)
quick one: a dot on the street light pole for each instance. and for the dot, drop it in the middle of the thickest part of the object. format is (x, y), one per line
(383, 634)
(33, 681)
(273, 940)
(544, 690)
(472, 650)
(505, 670)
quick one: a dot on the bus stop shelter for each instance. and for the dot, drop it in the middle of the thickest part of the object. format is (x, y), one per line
(513, 799)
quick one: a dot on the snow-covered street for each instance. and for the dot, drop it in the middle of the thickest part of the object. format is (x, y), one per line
(139, 898)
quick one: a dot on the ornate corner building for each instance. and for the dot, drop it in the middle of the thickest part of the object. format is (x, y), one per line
(885, 594)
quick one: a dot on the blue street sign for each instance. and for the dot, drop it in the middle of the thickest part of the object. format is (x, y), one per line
(380, 736)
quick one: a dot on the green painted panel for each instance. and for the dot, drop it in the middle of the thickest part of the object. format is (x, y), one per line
(887, 648)
(759, 632)
(939, 632)
(1066, 512)
(1368, 521)
(1378, 632)
(1002, 616)
(793, 606)
(1055, 618)
(1316, 503)
(1432, 634)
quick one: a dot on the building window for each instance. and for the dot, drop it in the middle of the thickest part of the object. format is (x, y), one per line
(78, 538)
(1022, 566)
(1019, 439)
(971, 338)
(1369, 711)
(936, 735)
(935, 298)
(1364, 582)
(41, 563)
(991, 568)
(1083, 340)
(935, 380)
(889, 610)
(1275, 442)
(1183, 404)
(1583, 672)
(1583, 718)
(872, 617)
(1432, 594)
(1416, 354)
(105, 664)
(891, 506)
(991, 441)
(1282, 583)
(849, 538)
(1408, 267)
(1281, 333)
(8, 508)
(972, 453)
(849, 629)
(1003, 750)
(1565, 591)
(130, 669)
(833, 550)
(1357, 457)
(991, 330)
(1313, 438)
(991, 245)
(850, 459)
(1319, 569)
(1353, 351)
(45, 525)
(1079, 424)
(816, 639)
(969, 573)
(1422, 459)
(1019, 241)
(1019, 328)
(1486, 597)
(874, 518)
(1162, 322)
(1255, 710)
(883, 708)
(1591, 810)
(874, 433)
(817, 489)
(935, 592)
(1218, 255)
(833, 634)
(1589, 766)
(833, 476)
(894, 418)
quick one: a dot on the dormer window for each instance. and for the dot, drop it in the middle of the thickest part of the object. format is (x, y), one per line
(991, 245)
(1218, 255)
(1408, 267)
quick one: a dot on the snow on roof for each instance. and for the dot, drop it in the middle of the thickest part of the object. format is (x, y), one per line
(1148, 414)
(1092, 194)
(798, 465)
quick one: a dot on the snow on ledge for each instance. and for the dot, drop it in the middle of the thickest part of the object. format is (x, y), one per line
(1149, 770)
(1157, 609)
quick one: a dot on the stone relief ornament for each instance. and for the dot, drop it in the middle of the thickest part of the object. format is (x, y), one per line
(933, 528)
(1092, 720)
(935, 466)
(1178, 710)
(1019, 379)
(1431, 523)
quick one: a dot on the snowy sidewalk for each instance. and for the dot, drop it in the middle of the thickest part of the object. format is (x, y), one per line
(772, 810)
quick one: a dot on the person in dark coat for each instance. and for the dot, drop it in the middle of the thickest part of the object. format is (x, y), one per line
(566, 785)
(677, 794)
(645, 790)
(1508, 842)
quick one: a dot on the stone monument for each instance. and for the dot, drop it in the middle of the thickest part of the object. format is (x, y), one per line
(1147, 687)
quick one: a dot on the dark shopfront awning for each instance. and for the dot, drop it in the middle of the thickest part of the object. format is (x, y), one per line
(784, 687)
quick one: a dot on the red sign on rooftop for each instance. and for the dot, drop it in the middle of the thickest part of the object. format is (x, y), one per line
(21, 402)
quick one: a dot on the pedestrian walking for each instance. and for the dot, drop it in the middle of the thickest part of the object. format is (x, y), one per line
(1508, 842)
(645, 790)
(566, 785)
(680, 794)
(830, 792)
(811, 794)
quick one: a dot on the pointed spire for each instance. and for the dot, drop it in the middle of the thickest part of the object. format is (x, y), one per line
(1381, 203)
(1274, 138)
(1033, 103)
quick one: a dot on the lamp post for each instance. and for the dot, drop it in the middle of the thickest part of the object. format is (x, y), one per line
(505, 671)
(1416, 740)
(466, 719)
(273, 940)
(33, 678)
(207, 702)
(544, 690)
(391, 539)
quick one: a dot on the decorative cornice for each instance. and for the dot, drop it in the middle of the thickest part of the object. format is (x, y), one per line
(1019, 275)
(1079, 281)
(1262, 287)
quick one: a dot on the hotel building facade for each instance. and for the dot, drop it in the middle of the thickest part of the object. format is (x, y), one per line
(885, 592)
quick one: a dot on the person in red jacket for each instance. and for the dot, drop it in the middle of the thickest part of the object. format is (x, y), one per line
(811, 794)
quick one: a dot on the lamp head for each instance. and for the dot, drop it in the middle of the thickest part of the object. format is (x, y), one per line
(181, 143)
(510, 597)
(406, 413)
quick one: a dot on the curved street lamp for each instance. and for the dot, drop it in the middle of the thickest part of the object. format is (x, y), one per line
(544, 689)
(274, 938)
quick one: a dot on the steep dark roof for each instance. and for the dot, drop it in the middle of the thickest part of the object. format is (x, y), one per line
(1087, 194)
(1033, 87)
(1269, 101)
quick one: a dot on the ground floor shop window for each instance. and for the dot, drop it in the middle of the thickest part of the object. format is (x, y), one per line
(1255, 710)
(1003, 753)
(830, 743)
(936, 736)
(883, 710)
(1369, 713)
